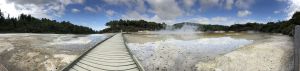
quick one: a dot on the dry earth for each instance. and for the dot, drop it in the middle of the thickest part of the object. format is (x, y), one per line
(42, 52)
(274, 54)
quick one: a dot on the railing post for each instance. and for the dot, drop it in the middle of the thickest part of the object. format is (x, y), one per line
(136, 61)
(297, 48)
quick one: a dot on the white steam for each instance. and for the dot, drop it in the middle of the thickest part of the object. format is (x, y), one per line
(185, 29)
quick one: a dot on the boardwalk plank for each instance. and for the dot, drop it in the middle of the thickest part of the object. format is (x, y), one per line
(110, 55)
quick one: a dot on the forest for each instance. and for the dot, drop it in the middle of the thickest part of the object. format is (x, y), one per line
(28, 24)
(132, 26)
(284, 27)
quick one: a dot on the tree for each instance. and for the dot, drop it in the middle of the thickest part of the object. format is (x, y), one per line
(28, 24)
(132, 26)
(296, 18)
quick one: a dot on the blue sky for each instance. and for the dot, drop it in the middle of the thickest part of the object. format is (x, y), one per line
(95, 13)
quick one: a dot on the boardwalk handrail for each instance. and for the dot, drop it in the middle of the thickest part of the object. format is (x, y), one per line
(297, 48)
(66, 68)
(140, 67)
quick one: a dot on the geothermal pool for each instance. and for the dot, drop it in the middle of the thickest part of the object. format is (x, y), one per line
(43, 52)
(212, 51)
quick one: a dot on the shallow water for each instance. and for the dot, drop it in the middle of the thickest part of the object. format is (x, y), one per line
(76, 43)
(180, 52)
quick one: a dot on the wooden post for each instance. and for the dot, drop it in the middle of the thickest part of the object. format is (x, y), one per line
(297, 48)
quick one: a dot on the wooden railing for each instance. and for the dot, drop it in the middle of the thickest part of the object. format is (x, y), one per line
(297, 48)
(136, 61)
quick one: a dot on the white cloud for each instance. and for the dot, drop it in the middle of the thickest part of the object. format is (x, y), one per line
(214, 20)
(74, 10)
(220, 20)
(117, 2)
(162, 10)
(37, 8)
(79, 1)
(243, 13)
(137, 5)
(15, 10)
(244, 4)
(209, 3)
(165, 9)
(189, 3)
(134, 15)
(294, 5)
(229, 4)
(170, 10)
(90, 9)
(276, 12)
(281, 0)
(187, 6)
(110, 13)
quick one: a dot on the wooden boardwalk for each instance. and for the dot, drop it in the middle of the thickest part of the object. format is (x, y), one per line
(110, 55)
(297, 48)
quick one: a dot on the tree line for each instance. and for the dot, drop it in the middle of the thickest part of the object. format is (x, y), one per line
(284, 27)
(28, 24)
(132, 26)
